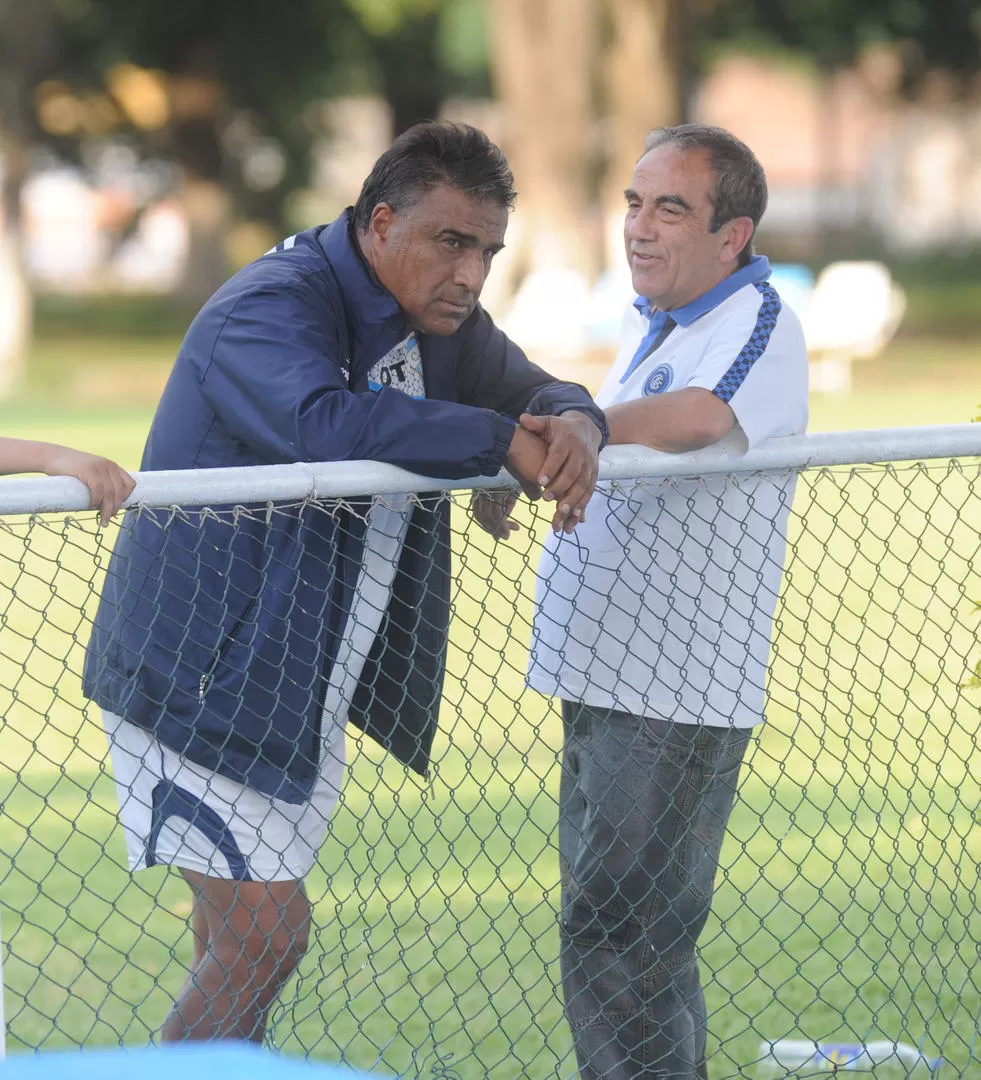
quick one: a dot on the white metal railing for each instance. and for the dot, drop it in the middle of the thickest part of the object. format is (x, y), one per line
(340, 479)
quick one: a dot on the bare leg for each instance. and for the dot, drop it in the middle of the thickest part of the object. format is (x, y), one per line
(254, 935)
(198, 925)
(199, 929)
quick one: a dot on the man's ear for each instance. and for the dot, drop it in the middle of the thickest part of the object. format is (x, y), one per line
(739, 232)
(380, 222)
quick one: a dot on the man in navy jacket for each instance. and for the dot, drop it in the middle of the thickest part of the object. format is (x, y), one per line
(231, 647)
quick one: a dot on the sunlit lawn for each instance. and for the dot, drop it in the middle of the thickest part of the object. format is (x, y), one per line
(848, 904)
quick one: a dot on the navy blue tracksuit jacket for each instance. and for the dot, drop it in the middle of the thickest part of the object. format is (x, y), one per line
(217, 630)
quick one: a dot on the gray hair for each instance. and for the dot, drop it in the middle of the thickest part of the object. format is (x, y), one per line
(740, 183)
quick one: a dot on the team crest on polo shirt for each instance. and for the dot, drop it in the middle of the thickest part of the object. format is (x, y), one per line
(659, 380)
(401, 369)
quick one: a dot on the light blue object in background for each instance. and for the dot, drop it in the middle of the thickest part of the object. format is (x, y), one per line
(795, 284)
(608, 301)
(206, 1061)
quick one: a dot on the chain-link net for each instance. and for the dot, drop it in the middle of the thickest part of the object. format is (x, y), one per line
(846, 899)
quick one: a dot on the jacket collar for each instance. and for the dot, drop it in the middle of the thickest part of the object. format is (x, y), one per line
(368, 304)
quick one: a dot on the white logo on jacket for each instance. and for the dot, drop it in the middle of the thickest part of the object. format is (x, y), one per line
(401, 369)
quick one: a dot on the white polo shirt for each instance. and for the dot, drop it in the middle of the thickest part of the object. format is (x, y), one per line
(661, 603)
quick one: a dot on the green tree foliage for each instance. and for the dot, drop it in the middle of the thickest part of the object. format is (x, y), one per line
(423, 52)
(267, 64)
(934, 35)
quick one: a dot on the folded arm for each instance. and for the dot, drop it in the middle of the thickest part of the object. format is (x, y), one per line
(677, 421)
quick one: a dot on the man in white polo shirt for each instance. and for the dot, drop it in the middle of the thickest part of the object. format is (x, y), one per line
(654, 618)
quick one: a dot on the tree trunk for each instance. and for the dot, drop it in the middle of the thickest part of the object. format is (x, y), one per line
(412, 77)
(195, 134)
(543, 58)
(642, 70)
(16, 301)
(207, 210)
(31, 42)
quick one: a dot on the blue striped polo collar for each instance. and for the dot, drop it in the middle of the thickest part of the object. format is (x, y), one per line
(755, 270)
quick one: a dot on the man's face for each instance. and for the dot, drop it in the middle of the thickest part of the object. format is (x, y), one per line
(672, 255)
(434, 256)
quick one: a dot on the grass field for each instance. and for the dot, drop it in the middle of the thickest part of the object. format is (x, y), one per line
(847, 907)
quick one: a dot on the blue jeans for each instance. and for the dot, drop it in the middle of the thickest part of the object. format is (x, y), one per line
(644, 805)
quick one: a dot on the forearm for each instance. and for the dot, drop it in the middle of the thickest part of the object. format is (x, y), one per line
(675, 422)
(26, 455)
(426, 435)
(495, 374)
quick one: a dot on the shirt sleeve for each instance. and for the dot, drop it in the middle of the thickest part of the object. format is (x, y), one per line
(757, 363)
(274, 379)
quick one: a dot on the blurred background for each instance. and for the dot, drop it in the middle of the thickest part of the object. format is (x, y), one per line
(150, 149)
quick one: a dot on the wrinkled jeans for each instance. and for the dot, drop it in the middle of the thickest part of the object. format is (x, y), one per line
(644, 805)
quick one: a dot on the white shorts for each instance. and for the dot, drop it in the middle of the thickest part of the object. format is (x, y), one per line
(178, 813)
(175, 812)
